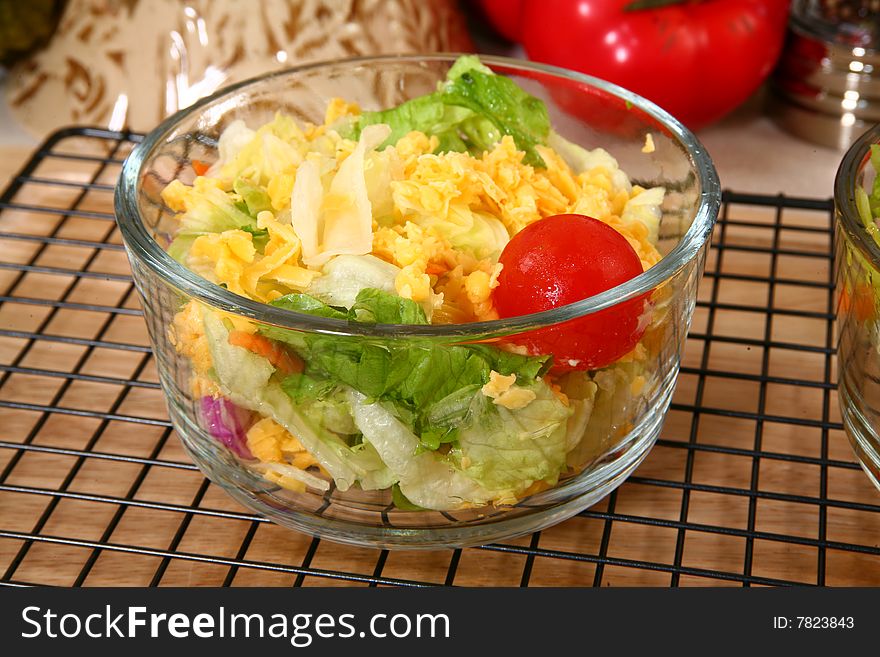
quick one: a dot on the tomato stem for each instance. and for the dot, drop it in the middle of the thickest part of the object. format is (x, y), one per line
(638, 5)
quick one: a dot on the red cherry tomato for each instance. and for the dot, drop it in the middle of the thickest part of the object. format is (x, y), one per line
(562, 259)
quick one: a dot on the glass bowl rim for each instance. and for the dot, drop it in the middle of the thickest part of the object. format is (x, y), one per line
(146, 249)
(845, 183)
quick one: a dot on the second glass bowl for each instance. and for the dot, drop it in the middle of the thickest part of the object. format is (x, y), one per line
(858, 302)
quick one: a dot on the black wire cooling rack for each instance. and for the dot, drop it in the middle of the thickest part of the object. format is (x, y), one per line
(751, 483)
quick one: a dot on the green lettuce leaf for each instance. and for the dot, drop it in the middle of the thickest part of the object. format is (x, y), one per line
(428, 114)
(259, 236)
(246, 379)
(302, 388)
(428, 386)
(511, 109)
(345, 276)
(330, 411)
(424, 478)
(450, 410)
(509, 450)
(212, 212)
(526, 368)
(874, 198)
(180, 246)
(256, 198)
(467, 230)
(305, 303)
(470, 112)
(400, 501)
(371, 306)
(501, 452)
(467, 64)
(379, 307)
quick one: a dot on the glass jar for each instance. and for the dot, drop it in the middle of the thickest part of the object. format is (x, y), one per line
(858, 302)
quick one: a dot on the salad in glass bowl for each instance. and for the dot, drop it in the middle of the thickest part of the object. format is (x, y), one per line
(392, 304)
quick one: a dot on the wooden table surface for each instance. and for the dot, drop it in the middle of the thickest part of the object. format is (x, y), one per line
(93, 529)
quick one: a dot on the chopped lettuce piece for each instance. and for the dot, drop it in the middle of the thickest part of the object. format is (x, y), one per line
(581, 160)
(444, 415)
(470, 111)
(330, 411)
(500, 452)
(232, 140)
(863, 206)
(609, 406)
(422, 375)
(362, 365)
(645, 207)
(245, 379)
(259, 237)
(180, 246)
(426, 114)
(285, 470)
(259, 155)
(208, 210)
(504, 362)
(874, 198)
(304, 303)
(466, 64)
(468, 230)
(371, 306)
(505, 104)
(303, 388)
(344, 276)
(509, 450)
(400, 501)
(334, 454)
(430, 386)
(424, 479)
(381, 168)
(212, 211)
(373, 474)
(379, 307)
(256, 198)
(235, 367)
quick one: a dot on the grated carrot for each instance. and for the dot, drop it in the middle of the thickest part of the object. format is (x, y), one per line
(284, 361)
(201, 168)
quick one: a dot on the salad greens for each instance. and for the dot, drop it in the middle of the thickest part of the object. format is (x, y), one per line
(868, 205)
(430, 387)
(255, 198)
(470, 112)
(501, 447)
(326, 221)
(405, 404)
(874, 198)
(210, 211)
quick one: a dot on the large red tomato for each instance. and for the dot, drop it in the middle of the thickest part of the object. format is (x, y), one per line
(698, 59)
(504, 16)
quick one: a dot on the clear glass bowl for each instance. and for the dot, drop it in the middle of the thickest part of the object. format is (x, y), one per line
(628, 402)
(858, 305)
